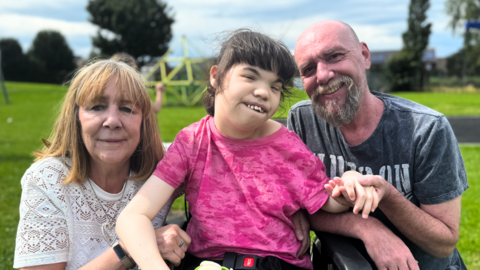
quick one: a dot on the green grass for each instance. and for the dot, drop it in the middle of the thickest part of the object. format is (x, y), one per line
(450, 104)
(34, 108)
(447, 103)
(469, 244)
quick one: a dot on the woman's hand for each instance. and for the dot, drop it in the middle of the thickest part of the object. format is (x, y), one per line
(169, 240)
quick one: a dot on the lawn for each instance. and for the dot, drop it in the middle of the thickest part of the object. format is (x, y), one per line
(450, 104)
(35, 106)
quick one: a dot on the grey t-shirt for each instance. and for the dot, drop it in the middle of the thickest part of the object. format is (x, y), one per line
(413, 147)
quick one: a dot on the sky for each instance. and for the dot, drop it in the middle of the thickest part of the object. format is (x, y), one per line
(379, 23)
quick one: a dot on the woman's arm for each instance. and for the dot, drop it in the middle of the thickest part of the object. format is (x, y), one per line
(167, 238)
(134, 226)
(55, 266)
(108, 260)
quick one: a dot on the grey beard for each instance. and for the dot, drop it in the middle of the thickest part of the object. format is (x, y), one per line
(331, 111)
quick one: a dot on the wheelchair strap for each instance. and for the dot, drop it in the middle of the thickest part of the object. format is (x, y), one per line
(229, 260)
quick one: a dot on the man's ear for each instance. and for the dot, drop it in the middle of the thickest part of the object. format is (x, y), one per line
(213, 76)
(366, 55)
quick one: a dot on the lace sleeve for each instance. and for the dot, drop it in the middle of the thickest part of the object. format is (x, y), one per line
(42, 235)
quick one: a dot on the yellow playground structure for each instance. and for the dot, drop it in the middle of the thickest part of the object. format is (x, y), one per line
(185, 81)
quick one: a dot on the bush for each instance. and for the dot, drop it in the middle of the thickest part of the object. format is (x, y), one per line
(51, 57)
(14, 62)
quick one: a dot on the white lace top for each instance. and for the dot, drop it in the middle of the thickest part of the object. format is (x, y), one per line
(62, 222)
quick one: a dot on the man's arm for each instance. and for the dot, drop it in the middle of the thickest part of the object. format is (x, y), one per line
(384, 247)
(434, 228)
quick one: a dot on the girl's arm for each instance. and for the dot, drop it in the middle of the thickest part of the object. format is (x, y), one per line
(134, 225)
(332, 206)
(157, 104)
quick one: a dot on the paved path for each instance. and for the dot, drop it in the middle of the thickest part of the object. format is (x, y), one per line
(466, 129)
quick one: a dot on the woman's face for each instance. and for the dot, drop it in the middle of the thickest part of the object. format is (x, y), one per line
(110, 128)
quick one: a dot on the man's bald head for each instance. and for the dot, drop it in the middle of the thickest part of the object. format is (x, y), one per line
(338, 27)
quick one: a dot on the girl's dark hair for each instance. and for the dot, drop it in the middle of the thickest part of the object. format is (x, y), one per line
(245, 46)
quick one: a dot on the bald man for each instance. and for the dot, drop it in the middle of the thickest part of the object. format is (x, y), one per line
(388, 139)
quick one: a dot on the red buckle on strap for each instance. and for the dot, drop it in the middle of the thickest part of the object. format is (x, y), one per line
(249, 262)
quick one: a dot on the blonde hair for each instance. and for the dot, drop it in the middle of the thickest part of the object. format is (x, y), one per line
(88, 84)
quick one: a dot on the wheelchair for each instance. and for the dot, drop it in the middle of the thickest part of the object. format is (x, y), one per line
(329, 251)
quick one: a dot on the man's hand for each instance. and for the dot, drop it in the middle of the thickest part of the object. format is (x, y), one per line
(348, 191)
(388, 251)
(382, 186)
(169, 240)
(302, 231)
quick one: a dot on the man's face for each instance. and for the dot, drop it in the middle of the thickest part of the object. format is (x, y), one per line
(332, 65)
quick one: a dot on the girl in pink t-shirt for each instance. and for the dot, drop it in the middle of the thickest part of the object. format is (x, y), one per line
(245, 175)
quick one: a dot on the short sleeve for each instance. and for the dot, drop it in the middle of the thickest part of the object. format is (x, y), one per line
(173, 168)
(314, 193)
(439, 169)
(42, 234)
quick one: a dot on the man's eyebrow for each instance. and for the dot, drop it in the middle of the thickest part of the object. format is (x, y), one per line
(300, 68)
(327, 52)
(333, 49)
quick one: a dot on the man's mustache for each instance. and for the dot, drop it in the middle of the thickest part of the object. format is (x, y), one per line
(332, 86)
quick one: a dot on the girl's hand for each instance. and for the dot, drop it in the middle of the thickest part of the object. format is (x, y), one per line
(348, 191)
(160, 88)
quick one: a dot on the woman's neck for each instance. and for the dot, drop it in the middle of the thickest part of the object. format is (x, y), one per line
(110, 178)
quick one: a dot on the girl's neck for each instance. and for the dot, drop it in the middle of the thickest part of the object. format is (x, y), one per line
(110, 178)
(234, 131)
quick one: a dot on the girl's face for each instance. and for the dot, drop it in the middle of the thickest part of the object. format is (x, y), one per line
(249, 97)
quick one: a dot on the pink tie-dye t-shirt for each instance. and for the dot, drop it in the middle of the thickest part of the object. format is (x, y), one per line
(242, 193)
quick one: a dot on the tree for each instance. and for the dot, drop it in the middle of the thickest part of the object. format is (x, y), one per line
(51, 57)
(14, 62)
(406, 70)
(466, 60)
(141, 28)
(461, 11)
(458, 63)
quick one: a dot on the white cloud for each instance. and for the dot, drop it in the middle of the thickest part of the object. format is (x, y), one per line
(226, 5)
(198, 26)
(21, 25)
(31, 4)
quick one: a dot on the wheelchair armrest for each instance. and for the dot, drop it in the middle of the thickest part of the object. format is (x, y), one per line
(177, 217)
(344, 255)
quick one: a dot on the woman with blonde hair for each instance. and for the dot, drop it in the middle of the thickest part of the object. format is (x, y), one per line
(104, 144)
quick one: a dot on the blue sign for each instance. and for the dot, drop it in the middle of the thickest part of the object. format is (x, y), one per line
(472, 25)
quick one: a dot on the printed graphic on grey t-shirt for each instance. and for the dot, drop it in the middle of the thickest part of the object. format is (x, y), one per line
(397, 174)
